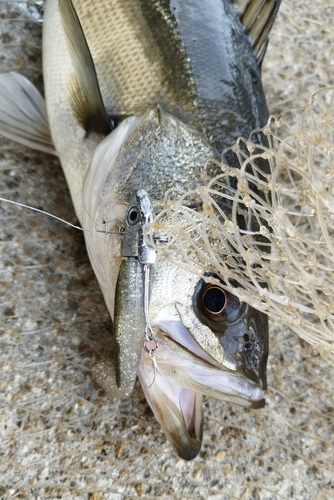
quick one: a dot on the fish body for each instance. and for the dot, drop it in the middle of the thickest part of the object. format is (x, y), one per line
(140, 95)
(193, 61)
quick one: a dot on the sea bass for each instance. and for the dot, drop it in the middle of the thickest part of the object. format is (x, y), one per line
(140, 95)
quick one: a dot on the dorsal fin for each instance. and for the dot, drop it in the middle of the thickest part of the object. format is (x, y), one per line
(258, 17)
(85, 96)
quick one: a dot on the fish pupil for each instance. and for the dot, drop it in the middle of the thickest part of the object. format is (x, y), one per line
(214, 300)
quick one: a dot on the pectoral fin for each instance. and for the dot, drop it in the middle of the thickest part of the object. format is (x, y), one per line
(23, 116)
(84, 91)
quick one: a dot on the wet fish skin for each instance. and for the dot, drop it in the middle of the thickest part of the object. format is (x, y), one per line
(180, 81)
(195, 62)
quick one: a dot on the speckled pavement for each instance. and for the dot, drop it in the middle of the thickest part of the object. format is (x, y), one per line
(61, 436)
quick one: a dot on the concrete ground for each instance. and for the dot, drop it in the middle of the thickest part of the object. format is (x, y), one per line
(60, 435)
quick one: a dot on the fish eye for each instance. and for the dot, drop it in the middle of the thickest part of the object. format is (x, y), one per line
(214, 300)
(133, 216)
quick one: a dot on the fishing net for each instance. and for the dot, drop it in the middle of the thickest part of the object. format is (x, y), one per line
(274, 246)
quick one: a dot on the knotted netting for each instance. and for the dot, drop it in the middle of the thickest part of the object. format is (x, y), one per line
(268, 236)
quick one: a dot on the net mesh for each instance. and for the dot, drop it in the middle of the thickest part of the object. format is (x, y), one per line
(268, 236)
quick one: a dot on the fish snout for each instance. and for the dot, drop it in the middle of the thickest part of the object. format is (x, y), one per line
(246, 345)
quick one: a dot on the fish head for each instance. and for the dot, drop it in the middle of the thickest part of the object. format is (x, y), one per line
(176, 157)
(203, 340)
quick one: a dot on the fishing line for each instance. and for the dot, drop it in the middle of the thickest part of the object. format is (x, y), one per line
(43, 212)
(119, 232)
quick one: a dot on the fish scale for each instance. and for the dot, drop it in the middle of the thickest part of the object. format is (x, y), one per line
(147, 70)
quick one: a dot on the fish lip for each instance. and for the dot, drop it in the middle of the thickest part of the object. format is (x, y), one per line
(172, 329)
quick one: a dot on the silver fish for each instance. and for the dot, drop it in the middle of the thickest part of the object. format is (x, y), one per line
(139, 96)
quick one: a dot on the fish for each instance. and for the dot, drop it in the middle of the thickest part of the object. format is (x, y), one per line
(139, 96)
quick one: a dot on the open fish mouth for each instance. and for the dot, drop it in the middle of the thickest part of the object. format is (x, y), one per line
(176, 375)
(178, 350)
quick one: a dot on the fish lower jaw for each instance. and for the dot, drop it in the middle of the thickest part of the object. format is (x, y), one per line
(180, 359)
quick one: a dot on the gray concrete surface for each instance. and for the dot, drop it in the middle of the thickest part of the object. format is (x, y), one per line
(60, 435)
